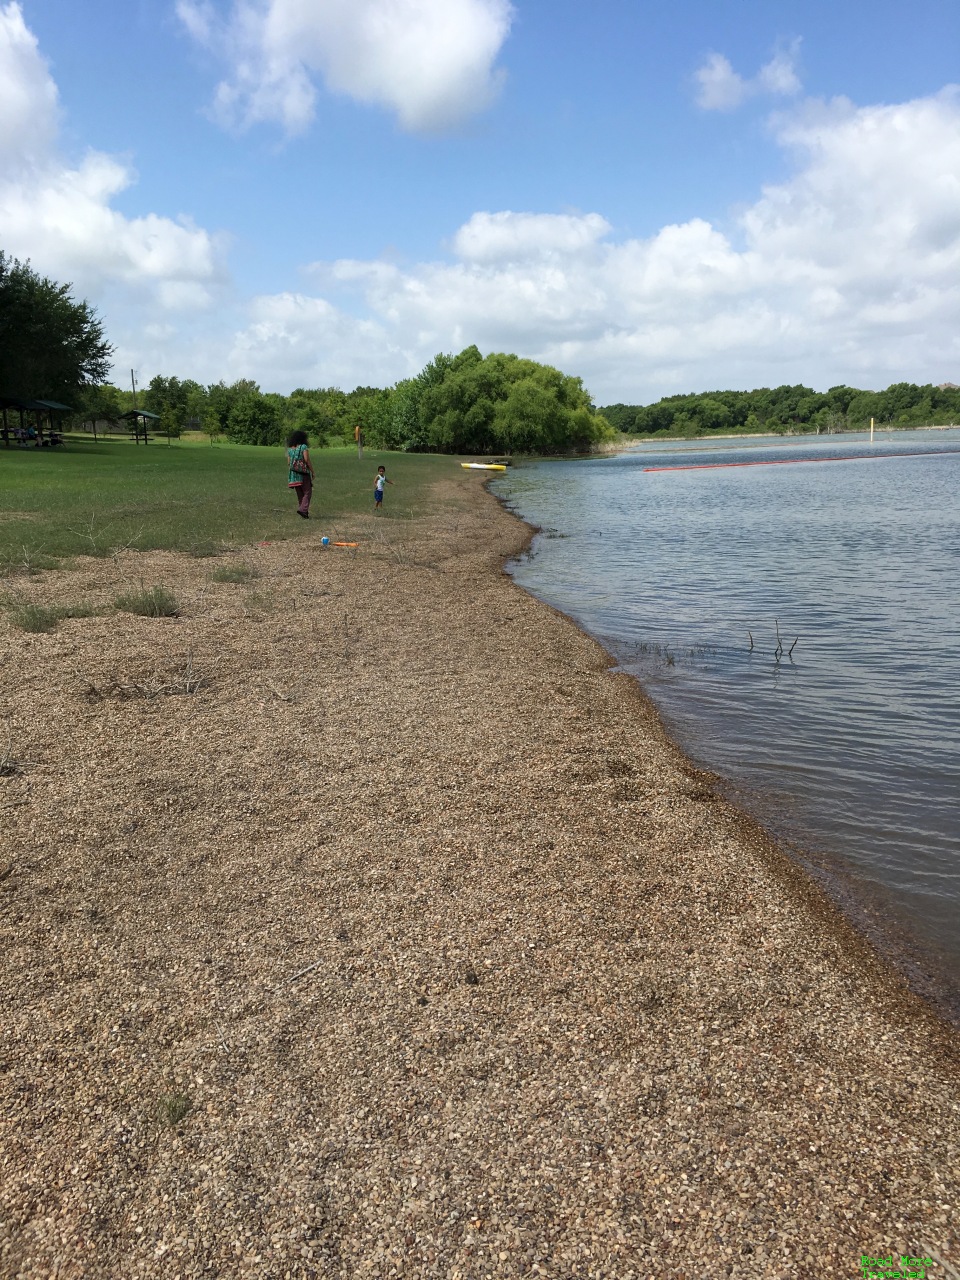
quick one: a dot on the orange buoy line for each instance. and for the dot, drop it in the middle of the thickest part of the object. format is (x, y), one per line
(783, 462)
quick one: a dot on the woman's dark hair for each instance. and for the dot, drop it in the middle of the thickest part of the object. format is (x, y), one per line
(297, 437)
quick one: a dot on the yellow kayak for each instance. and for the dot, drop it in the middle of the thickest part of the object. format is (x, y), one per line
(483, 466)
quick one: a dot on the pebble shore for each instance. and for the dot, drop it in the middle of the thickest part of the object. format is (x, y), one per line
(363, 922)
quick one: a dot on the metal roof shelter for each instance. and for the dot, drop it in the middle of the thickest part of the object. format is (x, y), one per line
(49, 409)
(140, 420)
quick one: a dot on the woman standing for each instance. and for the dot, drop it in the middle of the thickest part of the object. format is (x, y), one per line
(301, 471)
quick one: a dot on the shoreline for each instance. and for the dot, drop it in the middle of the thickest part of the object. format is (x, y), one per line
(914, 958)
(909, 959)
(459, 966)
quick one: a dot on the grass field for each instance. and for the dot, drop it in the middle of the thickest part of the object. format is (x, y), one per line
(91, 498)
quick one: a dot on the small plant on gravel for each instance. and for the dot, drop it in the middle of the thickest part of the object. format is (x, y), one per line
(35, 617)
(39, 617)
(235, 573)
(158, 602)
(173, 1109)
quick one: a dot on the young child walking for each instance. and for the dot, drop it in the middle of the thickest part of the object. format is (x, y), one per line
(300, 479)
(378, 487)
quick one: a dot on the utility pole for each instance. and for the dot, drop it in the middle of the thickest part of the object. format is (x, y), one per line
(136, 421)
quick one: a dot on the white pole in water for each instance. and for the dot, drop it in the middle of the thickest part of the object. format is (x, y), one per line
(871, 431)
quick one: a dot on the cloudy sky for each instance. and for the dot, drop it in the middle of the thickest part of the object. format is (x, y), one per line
(656, 197)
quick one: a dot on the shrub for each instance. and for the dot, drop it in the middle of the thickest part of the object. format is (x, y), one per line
(39, 617)
(155, 603)
(35, 617)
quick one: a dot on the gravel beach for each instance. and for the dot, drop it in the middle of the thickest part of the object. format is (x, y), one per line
(362, 922)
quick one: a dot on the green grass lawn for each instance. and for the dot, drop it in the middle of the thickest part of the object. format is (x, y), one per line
(90, 498)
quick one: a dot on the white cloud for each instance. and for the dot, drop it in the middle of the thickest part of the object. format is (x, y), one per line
(430, 61)
(28, 96)
(847, 272)
(60, 215)
(720, 88)
(779, 75)
(506, 237)
(309, 342)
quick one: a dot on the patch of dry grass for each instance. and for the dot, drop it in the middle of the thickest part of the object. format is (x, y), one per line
(149, 602)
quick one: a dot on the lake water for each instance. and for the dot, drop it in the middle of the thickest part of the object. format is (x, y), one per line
(848, 749)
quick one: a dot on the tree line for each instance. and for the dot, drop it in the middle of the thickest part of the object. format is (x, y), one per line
(788, 409)
(466, 403)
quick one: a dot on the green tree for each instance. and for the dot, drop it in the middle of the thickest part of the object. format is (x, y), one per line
(622, 417)
(210, 423)
(710, 413)
(50, 345)
(254, 419)
(316, 411)
(168, 397)
(221, 398)
(98, 402)
(502, 404)
(370, 408)
(839, 397)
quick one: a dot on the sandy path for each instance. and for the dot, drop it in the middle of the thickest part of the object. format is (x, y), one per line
(562, 1012)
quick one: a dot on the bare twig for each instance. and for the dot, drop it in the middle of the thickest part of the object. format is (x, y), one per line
(750, 634)
(88, 534)
(125, 546)
(185, 683)
(309, 969)
(791, 649)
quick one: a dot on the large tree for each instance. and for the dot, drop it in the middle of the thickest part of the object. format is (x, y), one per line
(507, 404)
(50, 345)
(254, 419)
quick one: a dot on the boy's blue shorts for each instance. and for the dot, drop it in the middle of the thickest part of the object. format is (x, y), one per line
(378, 495)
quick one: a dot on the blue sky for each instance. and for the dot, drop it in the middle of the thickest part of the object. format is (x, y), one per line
(657, 198)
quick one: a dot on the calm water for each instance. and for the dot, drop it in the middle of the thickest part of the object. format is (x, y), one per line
(850, 749)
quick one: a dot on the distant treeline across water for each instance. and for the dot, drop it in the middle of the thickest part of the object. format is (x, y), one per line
(784, 409)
